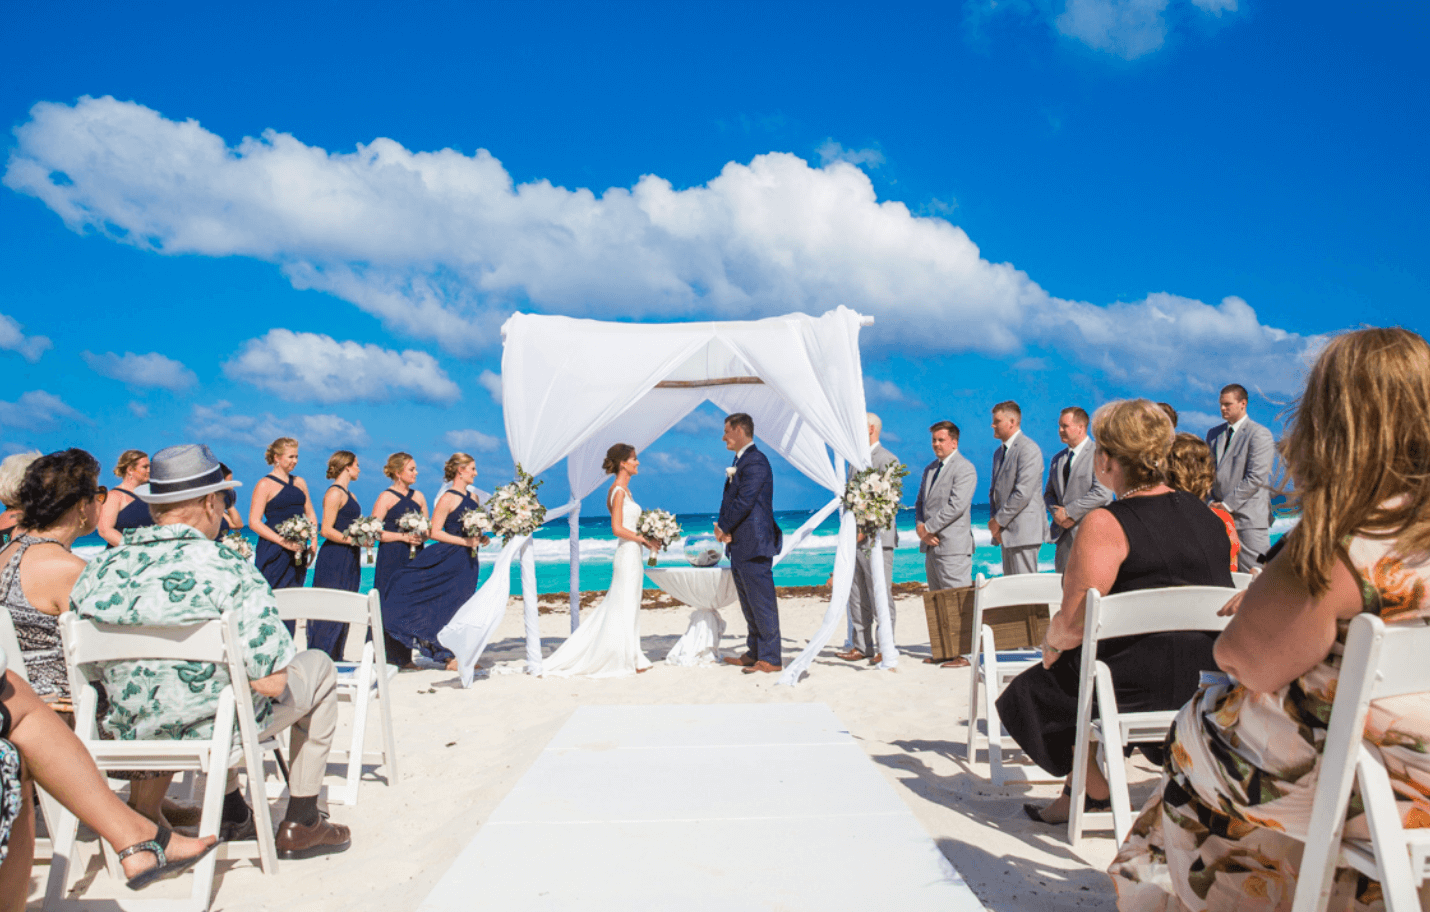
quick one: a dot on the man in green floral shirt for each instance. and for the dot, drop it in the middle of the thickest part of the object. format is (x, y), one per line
(174, 574)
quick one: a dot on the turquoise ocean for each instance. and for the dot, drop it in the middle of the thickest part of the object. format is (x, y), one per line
(809, 565)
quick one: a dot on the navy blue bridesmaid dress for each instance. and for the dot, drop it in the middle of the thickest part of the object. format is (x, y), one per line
(274, 561)
(391, 557)
(133, 515)
(336, 568)
(429, 589)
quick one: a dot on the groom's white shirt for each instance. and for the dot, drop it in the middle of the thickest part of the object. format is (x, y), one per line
(741, 451)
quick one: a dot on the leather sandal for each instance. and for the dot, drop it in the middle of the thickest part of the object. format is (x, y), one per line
(1090, 805)
(163, 867)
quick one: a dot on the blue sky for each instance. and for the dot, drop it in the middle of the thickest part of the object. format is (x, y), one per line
(312, 219)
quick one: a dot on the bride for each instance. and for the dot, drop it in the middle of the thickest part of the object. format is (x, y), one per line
(608, 642)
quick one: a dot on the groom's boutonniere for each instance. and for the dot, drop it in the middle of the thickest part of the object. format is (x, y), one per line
(729, 472)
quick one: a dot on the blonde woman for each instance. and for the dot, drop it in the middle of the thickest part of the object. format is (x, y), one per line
(426, 591)
(123, 510)
(338, 564)
(280, 495)
(396, 548)
(12, 470)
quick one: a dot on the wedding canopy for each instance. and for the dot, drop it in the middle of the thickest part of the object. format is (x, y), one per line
(571, 388)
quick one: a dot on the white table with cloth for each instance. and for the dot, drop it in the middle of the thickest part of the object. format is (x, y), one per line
(707, 590)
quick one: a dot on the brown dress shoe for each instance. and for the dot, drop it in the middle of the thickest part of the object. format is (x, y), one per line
(322, 838)
(764, 666)
(852, 655)
(876, 658)
(744, 661)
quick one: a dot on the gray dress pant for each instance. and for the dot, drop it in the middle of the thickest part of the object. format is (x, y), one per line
(861, 600)
(1254, 543)
(948, 571)
(1063, 552)
(309, 707)
(1020, 560)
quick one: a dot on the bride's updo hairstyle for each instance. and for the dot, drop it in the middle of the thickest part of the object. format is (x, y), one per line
(1137, 434)
(615, 456)
(395, 463)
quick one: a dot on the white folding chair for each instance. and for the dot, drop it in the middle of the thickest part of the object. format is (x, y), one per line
(991, 670)
(1379, 661)
(358, 682)
(1241, 580)
(15, 660)
(1143, 611)
(216, 642)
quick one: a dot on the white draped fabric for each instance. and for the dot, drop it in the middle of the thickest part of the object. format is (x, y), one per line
(571, 388)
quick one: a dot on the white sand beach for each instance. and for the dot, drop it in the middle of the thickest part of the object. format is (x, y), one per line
(461, 751)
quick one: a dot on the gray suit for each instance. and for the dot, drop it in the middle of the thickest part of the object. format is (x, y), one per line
(1013, 501)
(943, 508)
(1083, 494)
(1243, 474)
(861, 597)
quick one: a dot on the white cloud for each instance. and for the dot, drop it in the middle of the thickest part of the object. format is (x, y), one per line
(139, 409)
(491, 382)
(473, 440)
(888, 391)
(701, 423)
(1215, 7)
(139, 371)
(831, 151)
(308, 367)
(1127, 28)
(1031, 365)
(1198, 422)
(13, 339)
(208, 423)
(442, 246)
(668, 463)
(37, 410)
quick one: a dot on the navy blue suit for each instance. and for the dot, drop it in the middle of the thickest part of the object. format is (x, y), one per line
(747, 514)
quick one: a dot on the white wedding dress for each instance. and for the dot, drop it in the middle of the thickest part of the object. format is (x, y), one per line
(608, 642)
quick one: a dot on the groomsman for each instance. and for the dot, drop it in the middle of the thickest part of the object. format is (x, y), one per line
(1073, 490)
(1243, 450)
(942, 511)
(1018, 521)
(861, 596)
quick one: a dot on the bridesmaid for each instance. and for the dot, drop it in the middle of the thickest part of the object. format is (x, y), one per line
(123, 510)
(231, 519)
(278, 496)
(429, 589)
(393, 554)
(337, 566)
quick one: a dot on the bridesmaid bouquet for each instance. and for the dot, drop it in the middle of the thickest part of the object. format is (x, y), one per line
(301, 530)
(514, 509)
(873, 497)
(235, 542)
(414, 523)
(476, 524)
(365, 530)
(659, 526)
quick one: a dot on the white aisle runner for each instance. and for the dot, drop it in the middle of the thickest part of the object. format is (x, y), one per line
(702, 807)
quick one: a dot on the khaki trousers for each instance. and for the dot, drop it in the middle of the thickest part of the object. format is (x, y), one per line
(309, 706)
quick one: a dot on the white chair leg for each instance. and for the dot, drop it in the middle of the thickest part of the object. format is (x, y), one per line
(362, 700)
(63, 831)
(1397, 881)
(389, 737)
(973, 706)
(1114, 761)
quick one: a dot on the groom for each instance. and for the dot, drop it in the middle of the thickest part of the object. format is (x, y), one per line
(752, 539)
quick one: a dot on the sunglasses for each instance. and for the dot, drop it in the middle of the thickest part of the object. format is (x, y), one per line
(101, 494)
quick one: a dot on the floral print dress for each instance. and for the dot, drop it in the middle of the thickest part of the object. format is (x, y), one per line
(1225, 829)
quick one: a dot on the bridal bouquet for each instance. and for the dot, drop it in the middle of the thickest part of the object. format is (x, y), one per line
(414, 523)
(872, 495)
(476, 524)
(299, 530)
(514, 509)
(659, 526)
(365, 531)
(235, 542)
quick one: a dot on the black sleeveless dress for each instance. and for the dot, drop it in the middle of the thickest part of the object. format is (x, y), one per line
(274, 561)
(1173, 540)
(337, 567)
(392, 556)
(133, 515)
(426, 591)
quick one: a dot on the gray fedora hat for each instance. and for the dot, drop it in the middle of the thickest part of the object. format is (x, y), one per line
(183, 472)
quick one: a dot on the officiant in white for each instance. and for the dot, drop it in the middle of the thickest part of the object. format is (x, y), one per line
(861, 595)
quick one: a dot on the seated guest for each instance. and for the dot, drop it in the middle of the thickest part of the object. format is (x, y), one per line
(1224, 829)
(57, 760)
(1150, 537)
(172, 575)
(123, 511)
(1190, 468)
(11, 471)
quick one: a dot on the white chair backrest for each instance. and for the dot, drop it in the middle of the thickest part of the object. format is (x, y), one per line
(14, 660)
(1402, 668)
(1240, 581)
(1020, 589)
(314, 604)
(1154, 611)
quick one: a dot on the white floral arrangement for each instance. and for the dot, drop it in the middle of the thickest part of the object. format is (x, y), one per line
(235, 542)
(299, 530)
(365, 531)
(476, 524)
(873, 495)
(414, 522)
(658, 526)
(514, 509)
